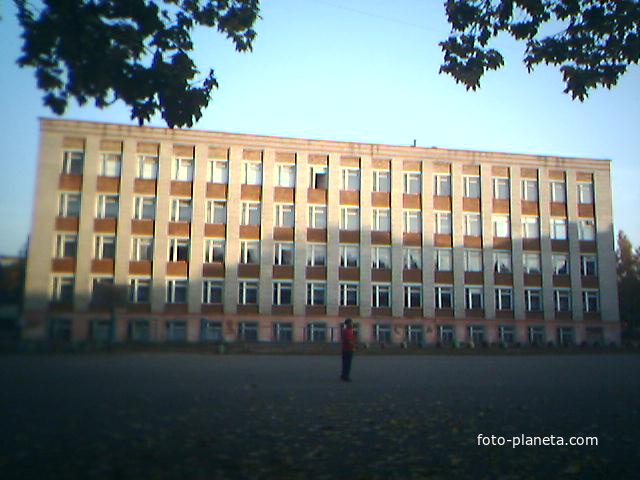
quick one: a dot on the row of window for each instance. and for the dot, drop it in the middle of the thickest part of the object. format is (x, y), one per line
(316, 294)
(285, 176)
(144, 208)
(140, 330)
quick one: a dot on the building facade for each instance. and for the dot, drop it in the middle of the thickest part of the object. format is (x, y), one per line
(152, 234)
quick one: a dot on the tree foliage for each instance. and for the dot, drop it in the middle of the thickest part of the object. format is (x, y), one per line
(595, 43)
(628, 281)
(136, 51)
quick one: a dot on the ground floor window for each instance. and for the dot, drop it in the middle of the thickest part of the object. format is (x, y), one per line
(446, 334)
(507, 334)
(383, 333)
(60, 329)
(282, 332)
(536, 335)
(211, 331)
(476, 334)
(177, 331)
(414, 334)
(101, 330)
(565, 336)
(317, 332)
(248, 331)
(140, 330)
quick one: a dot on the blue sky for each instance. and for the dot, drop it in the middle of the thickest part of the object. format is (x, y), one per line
(357, 70)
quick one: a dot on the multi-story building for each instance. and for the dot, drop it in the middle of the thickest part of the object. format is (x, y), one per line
(156, 234)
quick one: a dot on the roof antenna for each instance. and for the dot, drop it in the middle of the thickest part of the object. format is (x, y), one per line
(414, 142)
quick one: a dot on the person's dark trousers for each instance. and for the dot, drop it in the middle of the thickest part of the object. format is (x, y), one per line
(346, 364)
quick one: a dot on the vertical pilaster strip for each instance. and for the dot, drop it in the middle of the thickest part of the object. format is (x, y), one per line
(607, 276)
(302, 222)
(161, 241)
(125, 208)
(82, 291)
(198, 213)
(574, 246)
(366, 187)
(544, 193)
(428, 285)
(515, 208)
(486, 209)
(333, 234)
(458, 240)
(397, 192)
(266, 233)
(232, 243)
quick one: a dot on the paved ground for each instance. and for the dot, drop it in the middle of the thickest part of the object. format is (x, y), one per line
(153, 416)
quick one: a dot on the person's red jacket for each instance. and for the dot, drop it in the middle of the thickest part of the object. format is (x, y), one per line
(348, 339)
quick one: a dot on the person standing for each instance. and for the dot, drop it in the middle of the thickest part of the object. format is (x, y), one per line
(348, 348)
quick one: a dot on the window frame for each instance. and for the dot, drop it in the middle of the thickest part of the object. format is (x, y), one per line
(178, 206)
(376, 263)
(136, 248)
(210, 246)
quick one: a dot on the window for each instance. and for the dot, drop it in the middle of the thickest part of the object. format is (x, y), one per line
(316, 293)
(250, 213)
(530, 190)
(176, 291)
(283, 253)
(504, 299)
(502, 262)
(443, 297)
(69, 205)
(381, 181)
(144, 208)
(183, 169)
(588, 265)
(211, 331)
(414, 334)
(473, 260)
(141, 249)
(501, 226)
(247, 292)
(412, 296)
(536, 335)
(412, 221)
(317, 332)
(472, 225)
(590, 301)
(501, 188)
(473, 298)
(248, 331)
(533, 300)
(214, 250)
(382, 332)
(60, 329)
(381, 257)
(412, 182)
(73, 162)
(107, 206)
(66, 245)
(349, 256)
(507, 334)
(105, 247)
(476, 334)
(348, 294)
(381, 220)
(530, 227)
(558, 229)
(62, 291)
(180, 210)
(585, 192)
(101, 330)
(216, 211)
(139, 330)
(285, 175)
(282, 293)
(218, 171)
(586, 230)
(317, 216)
(316, 255)
(147, 167)
(531, 263)
(472, 187)
(443, 259)
(446, 334)
(565, 336)
(319, 177)
(442, 186)
(381, 295)
(110, 164)
(412, 258)
(282, 332)
(140, 290)
(350, 179)
(560, 263)
(101, 291)
(349, 218)
(250, 252)
(252, 173)
(558, 192)
(284, 215)
(443, 223)
(562, 300)
(178, 250)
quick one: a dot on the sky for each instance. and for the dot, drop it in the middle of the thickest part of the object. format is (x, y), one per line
(356, 71)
